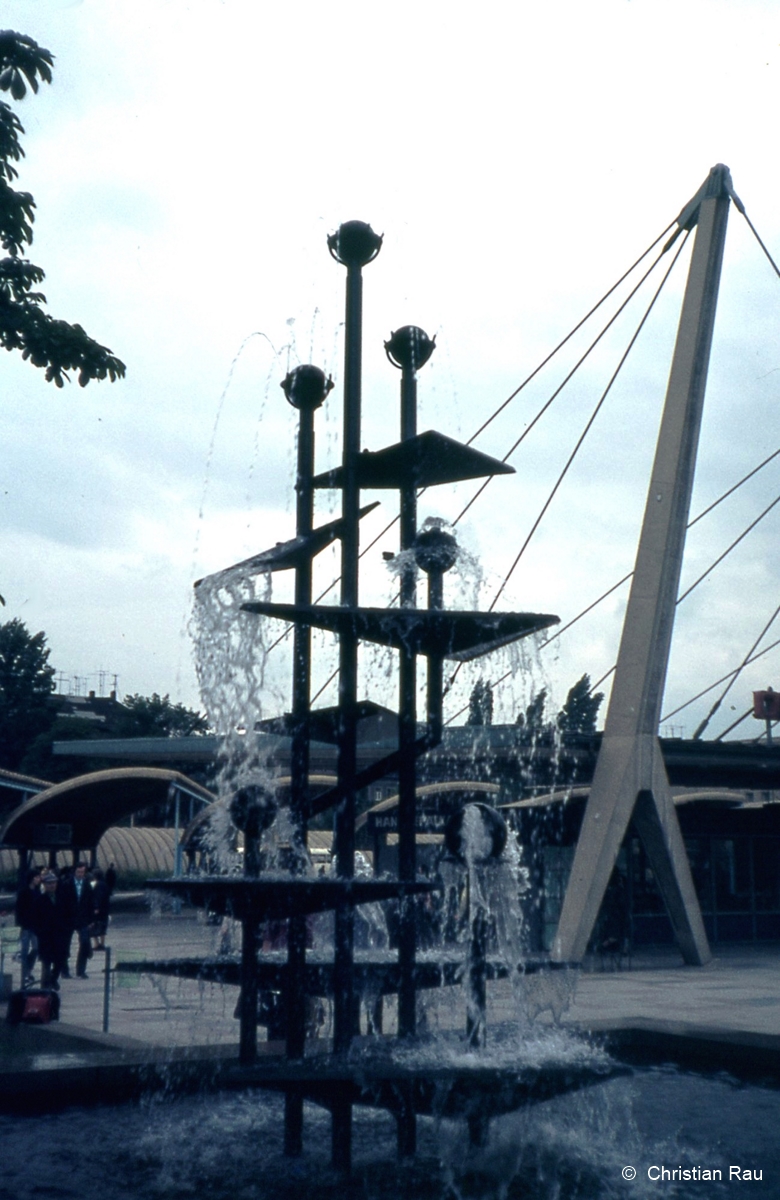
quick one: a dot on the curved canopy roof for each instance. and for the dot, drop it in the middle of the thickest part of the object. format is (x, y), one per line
(77, 813)
(723, 796)
(199, 825)
(434, 791)
(137, 851)
(15, 788)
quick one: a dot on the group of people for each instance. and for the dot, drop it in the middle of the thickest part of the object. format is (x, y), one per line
(50, 908)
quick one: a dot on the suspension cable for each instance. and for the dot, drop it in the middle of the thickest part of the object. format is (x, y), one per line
(725, 495)
(667, 716)
(728, 549)
(711, 568)
(703, 724)
(705, 512)
(570, 335)
(734, 724)
(327, 683)
(722, 679)
(749, 658)
(288, 630)
(625, 579)
(604, 677)
(630, 574)
(760, 242)
(585, 611)
(699, 517)
(571, 373)
(585, 431)
(589, 425)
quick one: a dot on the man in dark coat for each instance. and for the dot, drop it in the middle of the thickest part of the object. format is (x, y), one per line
(54, 930)
(26, 913)
(81, 910)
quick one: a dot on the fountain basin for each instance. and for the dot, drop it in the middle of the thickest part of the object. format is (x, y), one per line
(276, 897)
(458, 1086)
(375, 972)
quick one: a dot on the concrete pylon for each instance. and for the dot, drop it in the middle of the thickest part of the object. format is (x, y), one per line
(630, 779)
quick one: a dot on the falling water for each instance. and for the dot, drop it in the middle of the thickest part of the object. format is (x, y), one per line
(575, 1147)
(231, 650)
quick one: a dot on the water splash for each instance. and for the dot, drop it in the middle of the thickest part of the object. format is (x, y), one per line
(231, 657)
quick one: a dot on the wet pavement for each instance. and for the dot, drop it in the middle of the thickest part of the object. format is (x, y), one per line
(737, 991)
(736, 994)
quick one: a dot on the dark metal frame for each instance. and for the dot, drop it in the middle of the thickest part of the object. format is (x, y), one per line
(417, 461)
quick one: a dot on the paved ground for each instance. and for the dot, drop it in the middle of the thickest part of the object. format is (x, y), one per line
(738, 992)
(151, 1009)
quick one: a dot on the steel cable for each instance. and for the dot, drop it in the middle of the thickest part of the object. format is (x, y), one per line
(589, 424)
(570, 375)
(585, 431)
(570, 335)
(722, 679)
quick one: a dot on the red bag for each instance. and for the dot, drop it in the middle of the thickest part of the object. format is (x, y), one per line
(38, 1009)
(37, 1006)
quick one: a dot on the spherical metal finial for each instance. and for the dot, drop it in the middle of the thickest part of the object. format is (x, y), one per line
(409, 348)
(435, 550)
(306, 387)
(252, 810)
(354, 244)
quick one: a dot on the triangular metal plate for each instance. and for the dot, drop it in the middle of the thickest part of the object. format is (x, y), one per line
(422, 461)
(455, 635)
(271, 898)
(294, 553)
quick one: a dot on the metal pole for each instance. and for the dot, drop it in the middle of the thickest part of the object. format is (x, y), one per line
(630, 780)
(306, 389)
(436, 551)
(408, 348)
(354, 245)
(177, 843)
(106, 988)
(247, 1049)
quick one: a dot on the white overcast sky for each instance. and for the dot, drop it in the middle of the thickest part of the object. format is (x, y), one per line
(188, 162)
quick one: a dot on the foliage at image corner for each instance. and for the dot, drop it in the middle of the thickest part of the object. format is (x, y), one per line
(48, 343)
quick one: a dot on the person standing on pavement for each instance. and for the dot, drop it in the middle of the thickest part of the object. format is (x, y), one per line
(111, 879)
(101, 898)
(65, 877)
(54, 931)
(27, 916)
(81, 908)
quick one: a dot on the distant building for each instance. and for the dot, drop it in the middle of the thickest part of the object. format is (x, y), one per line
(726, 792)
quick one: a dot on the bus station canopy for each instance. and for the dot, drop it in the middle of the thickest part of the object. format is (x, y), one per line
(76, 813)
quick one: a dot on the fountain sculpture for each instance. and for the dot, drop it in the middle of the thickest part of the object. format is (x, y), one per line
(404, 1085)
